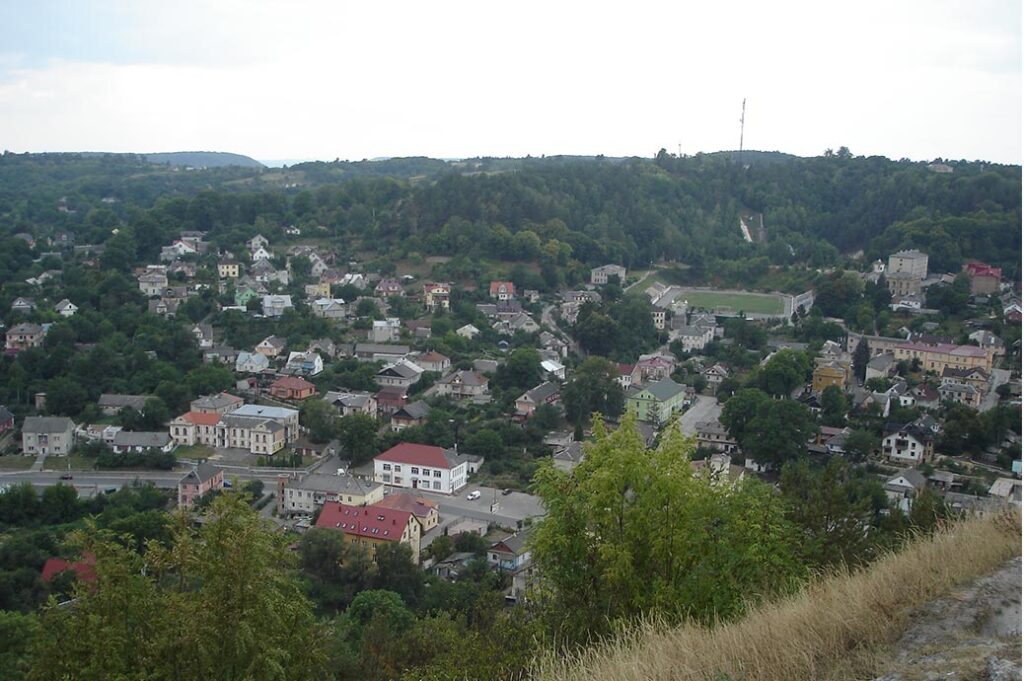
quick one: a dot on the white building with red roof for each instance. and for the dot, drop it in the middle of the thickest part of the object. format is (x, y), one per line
(372, 526)
(503, 290)
(425, 467)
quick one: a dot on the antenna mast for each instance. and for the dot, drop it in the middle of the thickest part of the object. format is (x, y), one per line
(743, 117)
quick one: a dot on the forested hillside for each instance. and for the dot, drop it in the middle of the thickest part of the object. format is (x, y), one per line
(592, 210)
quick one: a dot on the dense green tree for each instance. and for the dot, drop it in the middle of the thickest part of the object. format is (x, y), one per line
(484, 442)
(740, 409)
(785, 371)
(778, 432)
(593, 387)
(338, 570)
(861, 357)
(17, 631)
(770, 431)
(64, 396)
(321, 420)
(621, 538)
(396, 572)
(833, 406)
(859, 444)
(836, 510)
(220, 603)
(358, 436)
(521, 372)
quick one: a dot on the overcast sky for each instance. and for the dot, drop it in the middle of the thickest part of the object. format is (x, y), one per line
(291, 79)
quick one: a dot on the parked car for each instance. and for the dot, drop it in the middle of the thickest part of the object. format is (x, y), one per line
(505, 492)
(474, 495)
(67, 476)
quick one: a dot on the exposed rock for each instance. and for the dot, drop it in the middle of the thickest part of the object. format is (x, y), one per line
(973, 633)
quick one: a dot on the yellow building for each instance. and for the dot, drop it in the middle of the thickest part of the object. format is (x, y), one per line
(228, 269)
(938, 357)
(373, 526)
(828, 373)
(319, 290)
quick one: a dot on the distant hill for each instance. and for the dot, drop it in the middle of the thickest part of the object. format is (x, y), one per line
(753, 156)
(203, 159)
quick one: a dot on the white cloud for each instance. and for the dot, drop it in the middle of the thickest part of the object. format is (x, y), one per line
(352, 80)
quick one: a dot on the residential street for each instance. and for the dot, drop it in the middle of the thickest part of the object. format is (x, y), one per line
(991, 399)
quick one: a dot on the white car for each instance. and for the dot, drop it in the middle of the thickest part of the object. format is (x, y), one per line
(473, 496)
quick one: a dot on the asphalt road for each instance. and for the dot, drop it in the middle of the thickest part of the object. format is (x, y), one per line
(105, 479)
(705, 408)
(510, 508)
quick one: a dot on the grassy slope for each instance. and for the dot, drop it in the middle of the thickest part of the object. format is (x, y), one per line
(836, 629)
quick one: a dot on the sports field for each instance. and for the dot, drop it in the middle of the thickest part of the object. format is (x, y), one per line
(762, 303)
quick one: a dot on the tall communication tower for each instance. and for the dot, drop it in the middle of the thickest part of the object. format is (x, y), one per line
(743, 117)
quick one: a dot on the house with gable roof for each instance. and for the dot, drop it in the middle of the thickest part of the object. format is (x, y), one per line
(349, 402)
(402, 373)
(464, 385)
(908, 444)
(271, 346)
(251, 363)
(903, 487)
(24, 336)
(412, 414)
(503, 290)
(199, 482)
(66, 308)
(423, 509)
(528, 402)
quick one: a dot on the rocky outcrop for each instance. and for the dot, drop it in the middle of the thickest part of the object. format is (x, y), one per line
(973, 633)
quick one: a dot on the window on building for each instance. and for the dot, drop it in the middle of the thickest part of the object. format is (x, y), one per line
(415, 470)
(437, 485)
(398, 479)
(387, 466)
(398, 468)
(437, 474)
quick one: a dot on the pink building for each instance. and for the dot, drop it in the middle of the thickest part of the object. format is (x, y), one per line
(200, 480)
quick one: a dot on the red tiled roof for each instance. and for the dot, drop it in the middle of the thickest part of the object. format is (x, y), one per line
(84, 569)
(401, 501)
(980, 269)
(496, 286)
(292, 383)
(375, 522)
(626, 369)
(416, 455)
(201, 419)
(432, 357)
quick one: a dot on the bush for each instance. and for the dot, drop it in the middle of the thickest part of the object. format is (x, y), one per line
(108, 459)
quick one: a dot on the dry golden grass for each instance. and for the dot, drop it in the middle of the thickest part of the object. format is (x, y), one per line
(834, 629)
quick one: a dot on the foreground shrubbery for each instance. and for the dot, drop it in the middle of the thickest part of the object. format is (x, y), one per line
(827, 630)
